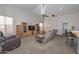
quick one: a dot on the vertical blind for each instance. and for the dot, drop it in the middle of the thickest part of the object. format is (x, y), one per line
(6, 24)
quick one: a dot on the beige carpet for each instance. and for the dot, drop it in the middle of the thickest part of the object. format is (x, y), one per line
(56, 46)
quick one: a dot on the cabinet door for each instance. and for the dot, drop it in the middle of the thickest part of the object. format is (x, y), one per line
(24, 27)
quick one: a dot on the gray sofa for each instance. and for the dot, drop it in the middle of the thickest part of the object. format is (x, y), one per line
(9, 42)
(50, 35)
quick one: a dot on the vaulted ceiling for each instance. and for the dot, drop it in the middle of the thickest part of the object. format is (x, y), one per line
(25, 6)
(57, 9)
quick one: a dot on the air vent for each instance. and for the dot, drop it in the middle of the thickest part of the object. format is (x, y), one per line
(53, 15)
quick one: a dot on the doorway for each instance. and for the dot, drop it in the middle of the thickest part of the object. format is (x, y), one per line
(64, 27)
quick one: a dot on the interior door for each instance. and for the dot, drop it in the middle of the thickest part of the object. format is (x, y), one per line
(64, 27)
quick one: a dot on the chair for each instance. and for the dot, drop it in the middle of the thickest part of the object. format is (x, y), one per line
(71, 39)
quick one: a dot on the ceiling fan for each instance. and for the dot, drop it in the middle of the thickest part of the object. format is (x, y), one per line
(43, 11)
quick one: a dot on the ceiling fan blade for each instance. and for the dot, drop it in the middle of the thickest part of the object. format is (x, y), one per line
(45, 15)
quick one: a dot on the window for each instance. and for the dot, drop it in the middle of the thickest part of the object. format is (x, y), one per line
(2, 24)
(9, 24)
(6, 24)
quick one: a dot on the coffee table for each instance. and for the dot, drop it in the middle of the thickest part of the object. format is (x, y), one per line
(40, 39)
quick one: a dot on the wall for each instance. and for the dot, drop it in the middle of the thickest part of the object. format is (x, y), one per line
(19, 15)
(56, 22)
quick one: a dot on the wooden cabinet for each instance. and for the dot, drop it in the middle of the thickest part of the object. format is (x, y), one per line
(24, 27)
(22, 30)
(27, 34)
(18, 30)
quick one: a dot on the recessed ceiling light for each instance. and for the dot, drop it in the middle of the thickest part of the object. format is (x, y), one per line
(60, 8)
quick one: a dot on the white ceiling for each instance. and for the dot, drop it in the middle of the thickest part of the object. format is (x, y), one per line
(62, 9)
(24, 6)
(57, 9)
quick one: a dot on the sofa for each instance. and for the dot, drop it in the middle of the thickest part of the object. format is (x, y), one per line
(50, 35)
(9, 42)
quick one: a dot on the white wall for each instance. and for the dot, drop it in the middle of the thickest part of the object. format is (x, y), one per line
(56, 22)
(19, 15)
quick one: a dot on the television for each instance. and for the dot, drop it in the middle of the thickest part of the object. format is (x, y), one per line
(31, 27)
